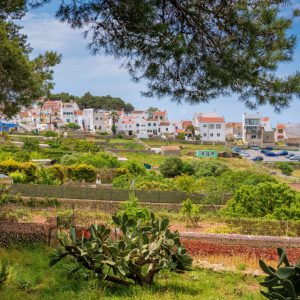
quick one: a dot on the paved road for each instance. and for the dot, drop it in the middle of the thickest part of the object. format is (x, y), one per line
(254, 153)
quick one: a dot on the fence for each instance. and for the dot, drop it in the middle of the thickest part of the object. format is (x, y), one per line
(89, 193)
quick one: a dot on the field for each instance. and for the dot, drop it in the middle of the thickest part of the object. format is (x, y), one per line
(31, 278)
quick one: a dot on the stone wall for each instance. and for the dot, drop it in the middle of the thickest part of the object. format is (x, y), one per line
(26, 233)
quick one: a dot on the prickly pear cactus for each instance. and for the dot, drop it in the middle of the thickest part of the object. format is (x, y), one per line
(283, 283)
(135, 253)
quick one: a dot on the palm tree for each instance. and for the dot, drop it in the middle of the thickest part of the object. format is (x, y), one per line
(191, 128)
(114, 117)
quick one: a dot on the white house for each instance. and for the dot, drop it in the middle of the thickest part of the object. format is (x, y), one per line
(68, 112)
(210, 126)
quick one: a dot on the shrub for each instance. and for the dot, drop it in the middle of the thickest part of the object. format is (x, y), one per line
(31, 144)
(135, 255)
(191, 211)
(209, 168)
(283, 283)
(18, 177)
(171, 167)
(285, 168)
(135, 168)
(58, 172)
(9, 166)
(123, 181)
(72, 126)
(44, 176)
(98, 160)
(185, 183)
(3, 272)
(132, 209)
(22, 156)
(50, 133)
(273, 200)
(187, 168)
(82, 172)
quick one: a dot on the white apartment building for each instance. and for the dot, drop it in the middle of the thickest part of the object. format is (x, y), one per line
(102, 121)
(88, 119)
(68, 111)
(257, 130)
(210, 126)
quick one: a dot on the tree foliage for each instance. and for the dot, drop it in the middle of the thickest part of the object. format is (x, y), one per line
(98, 102)
(272, 200)
(195, 50)
(21, 79)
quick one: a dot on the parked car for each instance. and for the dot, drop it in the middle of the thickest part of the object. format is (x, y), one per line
(257, 158)
(295, 157)
(255, 147)
(269, 148)
(271, 154)
(264, 151)
(283, 153)
(290, 155)
(237, 149)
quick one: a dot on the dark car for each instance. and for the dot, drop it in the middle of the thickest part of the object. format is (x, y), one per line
(269, 148)
(271, 154)
(257, 158)
(264, 151)
(283, 153)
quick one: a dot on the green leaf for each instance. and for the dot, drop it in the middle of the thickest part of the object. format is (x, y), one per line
(265, 268)
(285, 273)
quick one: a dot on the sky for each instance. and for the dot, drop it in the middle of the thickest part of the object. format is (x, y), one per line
(80, 72)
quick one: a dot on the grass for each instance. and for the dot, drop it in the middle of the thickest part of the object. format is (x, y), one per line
(31, 278)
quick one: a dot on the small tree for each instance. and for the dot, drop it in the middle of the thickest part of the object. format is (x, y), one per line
(285, 168)
(114, 118)
(171, 167)
(31, 144)
(191, 211)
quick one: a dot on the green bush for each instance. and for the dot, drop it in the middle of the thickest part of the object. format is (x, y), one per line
(134, 168)
(9, 166)
(18, 177)
(209, 168)
(58, 172)
(191, 211)
(31, 144)
(285, 168)
(283, 283)
(132, 209)
(50, 133)
(171, 167)
(123, 181)
(82, 172)
(73, 126)
(3, 272)
(22, 156)
(98, 160)
(44, 176)
(135, 255)
(271, 200)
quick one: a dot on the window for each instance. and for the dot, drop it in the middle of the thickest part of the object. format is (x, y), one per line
(218, 126)
(97, 119)
(154, 124)
(211, 126)
(211, 135)
(167, 129)
(218, 134)
(204, 134)
(149, 124)
(137, 125)
(253, 136)
(204, 125)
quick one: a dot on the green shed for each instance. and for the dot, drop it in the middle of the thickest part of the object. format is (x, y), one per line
(206, 153)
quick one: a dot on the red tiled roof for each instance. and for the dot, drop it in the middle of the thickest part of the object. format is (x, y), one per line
(180, 130)
(78, 112)
(233, 124)
(164, 124)
(127, 122)
(24, 114)
(211, 120)
(265, 119)
(186, 124)
(280, 126)
(159, 113)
